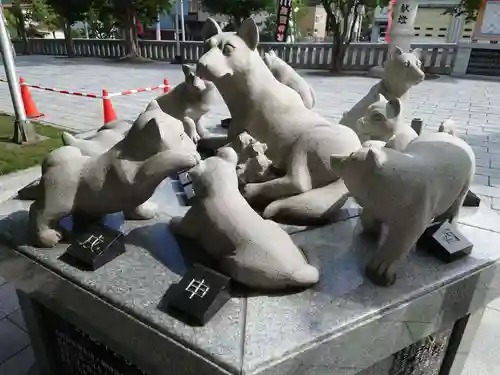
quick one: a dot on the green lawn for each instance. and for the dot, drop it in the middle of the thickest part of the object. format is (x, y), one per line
(14, 157)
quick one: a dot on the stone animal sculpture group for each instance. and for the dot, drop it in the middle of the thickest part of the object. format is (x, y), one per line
(279, 154)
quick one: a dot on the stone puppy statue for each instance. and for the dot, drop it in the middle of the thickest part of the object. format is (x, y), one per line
(100, 142)
(402, 71)
(253, 251)
(299, 141)
(288, 76)
(121, 179)
(253, 164)
(189, 101)
(405, 191)
(383, 122)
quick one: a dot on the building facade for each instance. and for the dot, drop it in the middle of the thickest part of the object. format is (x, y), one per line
(432, 25)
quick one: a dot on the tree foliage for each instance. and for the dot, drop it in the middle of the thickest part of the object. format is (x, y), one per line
(69, 12)
(238, 10)
(342, 16)
(469, 8)
(128, 13)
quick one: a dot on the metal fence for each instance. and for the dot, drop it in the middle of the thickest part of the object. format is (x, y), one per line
(437, 58)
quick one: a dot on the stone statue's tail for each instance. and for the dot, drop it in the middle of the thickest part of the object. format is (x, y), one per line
(314, 207)
(68, 139)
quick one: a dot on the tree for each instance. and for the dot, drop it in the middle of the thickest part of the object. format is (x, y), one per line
(342, 16)
(238, 10)
(469, 8)
(128, 13)
(20, 22)
(69, 12)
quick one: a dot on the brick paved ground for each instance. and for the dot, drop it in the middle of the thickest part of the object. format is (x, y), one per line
(473, 104)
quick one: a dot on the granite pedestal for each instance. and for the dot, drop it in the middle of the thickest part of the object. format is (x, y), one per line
(111, 321)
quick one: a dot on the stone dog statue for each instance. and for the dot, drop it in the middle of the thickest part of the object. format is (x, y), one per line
(189, 101)
(253, 251)
(402, 71)
(383, 122)
(121, 179)
(100, 142)
(288, 76)
(406, 191)
(299, 140)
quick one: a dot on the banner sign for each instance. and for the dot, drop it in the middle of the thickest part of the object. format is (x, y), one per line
(284, 13)
(488, 21)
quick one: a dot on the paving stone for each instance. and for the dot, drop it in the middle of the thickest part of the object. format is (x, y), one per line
(8, 300)
(19, 364)
(18, 319)
(483, 171)
(481, 180)
(16, 341)
(495, 204)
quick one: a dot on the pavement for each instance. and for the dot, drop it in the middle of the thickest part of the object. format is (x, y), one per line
(473, 104)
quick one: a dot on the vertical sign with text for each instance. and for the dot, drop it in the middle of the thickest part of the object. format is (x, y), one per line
(283, 16)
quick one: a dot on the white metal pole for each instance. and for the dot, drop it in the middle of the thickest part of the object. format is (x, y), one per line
(182, 21)
(10, 71)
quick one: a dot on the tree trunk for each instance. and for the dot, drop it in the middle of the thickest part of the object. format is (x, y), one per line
(68, 40)
(24, 34)
(131, 36)
(338, 52)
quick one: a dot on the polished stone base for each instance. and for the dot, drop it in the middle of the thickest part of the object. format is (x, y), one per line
(343, 326)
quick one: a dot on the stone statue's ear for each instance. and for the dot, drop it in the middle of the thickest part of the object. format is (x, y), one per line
(210, 28)
(152, 129)
(394, 108)
(381, 98)
(336, 161)
(264, 147)
(153, 104)
(374, 157)
(272, 53)
(249, 32)
(186, 69)
(398, 51)
(417, 52)
(228, 154)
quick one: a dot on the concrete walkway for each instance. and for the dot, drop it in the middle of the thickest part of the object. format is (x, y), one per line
(473, 104)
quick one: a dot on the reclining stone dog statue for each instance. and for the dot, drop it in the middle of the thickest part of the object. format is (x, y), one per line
(189, 101)
(121, 179)
(100, 142)
(402, 71)
(288, 76)
(253, 251)
(299, 141)
(405, 191)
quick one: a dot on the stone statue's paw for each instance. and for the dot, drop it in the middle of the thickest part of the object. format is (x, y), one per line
(271, 210)
(48, 238)
(381, 272)
(250, 191)
(145, 211)
(190, 160)
(195, 138)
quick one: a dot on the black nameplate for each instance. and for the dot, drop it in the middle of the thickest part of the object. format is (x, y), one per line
(471, 200)
(199, 295)
(75, 352)
(184, 178)
(445, 242)
(94, 246)
(225, 123)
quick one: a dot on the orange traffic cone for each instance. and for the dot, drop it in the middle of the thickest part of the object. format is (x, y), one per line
(29, 104)
(165, 82)
(107, 106)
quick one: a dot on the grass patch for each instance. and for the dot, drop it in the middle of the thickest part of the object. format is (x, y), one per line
(14, 157)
